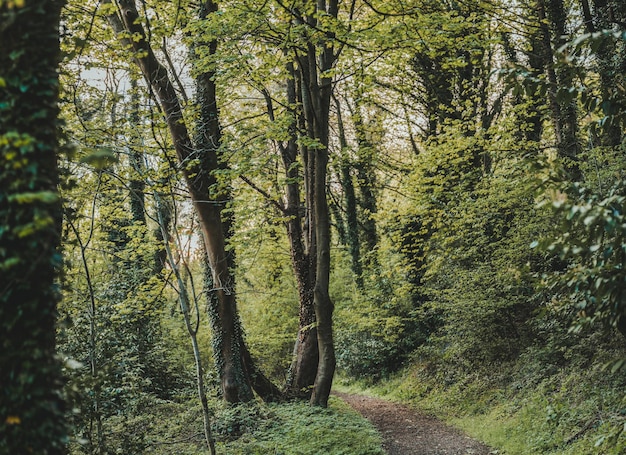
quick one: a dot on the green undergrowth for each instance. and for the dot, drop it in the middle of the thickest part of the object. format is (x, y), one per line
(299, 429)
(168, 428)
(518, 409)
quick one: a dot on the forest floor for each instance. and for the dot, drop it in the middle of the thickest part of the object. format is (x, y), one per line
(407, 432)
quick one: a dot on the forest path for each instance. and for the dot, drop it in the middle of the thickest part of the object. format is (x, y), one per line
(407, 432)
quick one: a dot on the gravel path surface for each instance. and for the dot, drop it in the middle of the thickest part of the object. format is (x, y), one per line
(407, 432)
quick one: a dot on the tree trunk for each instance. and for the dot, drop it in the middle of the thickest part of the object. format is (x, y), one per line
(32, 416)
(564, 114)
(317, 92)
(352, 231)
(200, 180)
(322, 302)
(185, 304)
(302, 371)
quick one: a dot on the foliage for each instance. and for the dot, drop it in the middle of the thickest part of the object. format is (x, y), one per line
(592, 241)
(434, 203)
(590, 237)
(376, 328)
(174, 427)
(298, 429)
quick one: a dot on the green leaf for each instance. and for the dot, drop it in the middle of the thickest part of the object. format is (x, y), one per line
(618, 365)
(6, 265)
(100, 158)
(46, 197)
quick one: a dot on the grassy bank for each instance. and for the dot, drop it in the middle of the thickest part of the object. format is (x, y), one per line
(523, 407)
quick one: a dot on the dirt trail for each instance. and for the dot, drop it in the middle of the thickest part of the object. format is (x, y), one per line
(406, 432)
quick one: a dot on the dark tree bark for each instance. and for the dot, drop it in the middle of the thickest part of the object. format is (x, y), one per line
(305, 354)
(552, 23)
(309, 229)
(31, 405)
(317, 89)
(347, 183)
(208, 142)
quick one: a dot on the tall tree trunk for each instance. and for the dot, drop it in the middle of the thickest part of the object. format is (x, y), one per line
(31, 406)
(316, 94)
(208, 142)
(552, 17)
(197, 163)
(311, 255)
(352, 231)
(302, 371)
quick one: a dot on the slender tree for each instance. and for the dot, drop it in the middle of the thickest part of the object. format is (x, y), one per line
(315, 63)
(199, 161)
(608, 15)
(552, 22)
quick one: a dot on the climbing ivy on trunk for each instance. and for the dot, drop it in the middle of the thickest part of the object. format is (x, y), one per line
(31, 405)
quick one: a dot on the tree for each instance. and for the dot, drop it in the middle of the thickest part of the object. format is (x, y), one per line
(315, 59)
(591, 236)
(289, 61)
(31, 403)
(199, 162)
(608, 15)
(553, 25)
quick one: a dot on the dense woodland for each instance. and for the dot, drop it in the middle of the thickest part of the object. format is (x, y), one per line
(207, 207)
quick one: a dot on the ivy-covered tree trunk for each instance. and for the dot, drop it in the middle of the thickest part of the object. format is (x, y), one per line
(308, 227)
(31, 405)
(219, 281)
(610, 59)
(208, 142)
(305, 354)
(552, 18)
(198, 162)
